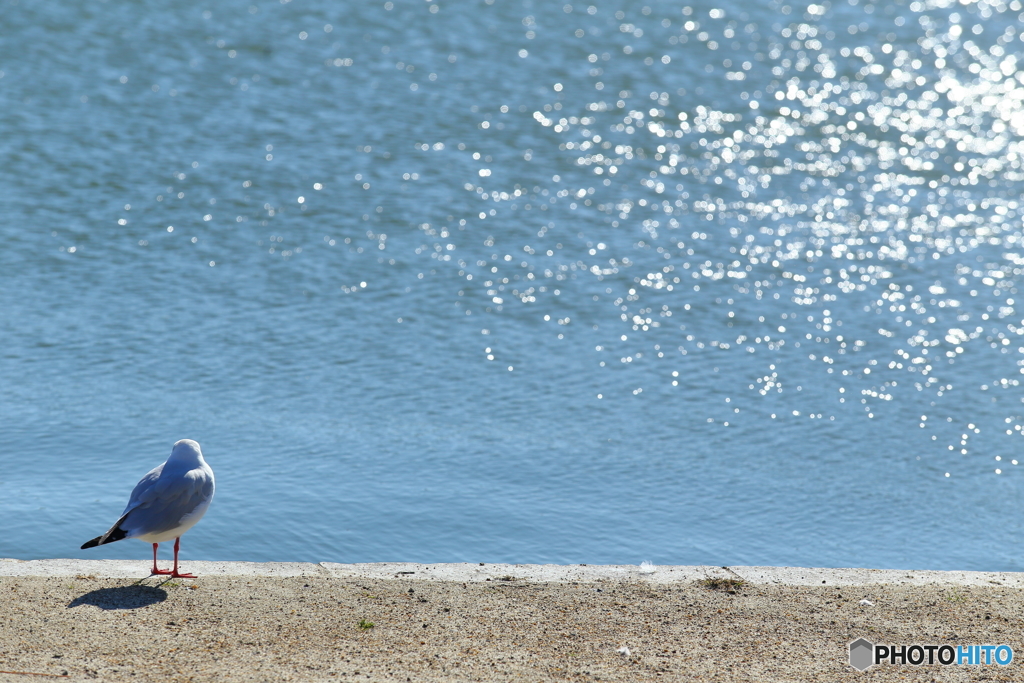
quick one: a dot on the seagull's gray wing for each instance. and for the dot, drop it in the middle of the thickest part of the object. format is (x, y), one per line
(139, 493)
(162, 504)
(143, 489)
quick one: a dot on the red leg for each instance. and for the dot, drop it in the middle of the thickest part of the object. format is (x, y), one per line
(175, 574)
(155, 570)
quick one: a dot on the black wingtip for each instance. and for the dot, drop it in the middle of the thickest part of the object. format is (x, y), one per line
(111, 536)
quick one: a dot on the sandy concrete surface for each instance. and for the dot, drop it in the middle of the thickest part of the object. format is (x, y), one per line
(308, 622)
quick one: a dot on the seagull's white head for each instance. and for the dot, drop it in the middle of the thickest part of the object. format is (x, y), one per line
(186, 449)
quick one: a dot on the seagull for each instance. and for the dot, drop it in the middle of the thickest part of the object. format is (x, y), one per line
(166, 503)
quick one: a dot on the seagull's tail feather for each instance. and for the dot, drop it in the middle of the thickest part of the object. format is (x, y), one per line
(93, 543)
(116, 533)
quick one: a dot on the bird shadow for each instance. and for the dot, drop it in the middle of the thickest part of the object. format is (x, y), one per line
(121, 597)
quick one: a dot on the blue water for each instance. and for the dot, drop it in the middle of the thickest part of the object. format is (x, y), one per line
(719, 283)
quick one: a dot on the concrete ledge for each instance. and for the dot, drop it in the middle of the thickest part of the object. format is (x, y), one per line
(245, 621)
(135, 569)
(799, 576)
(533, 573)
